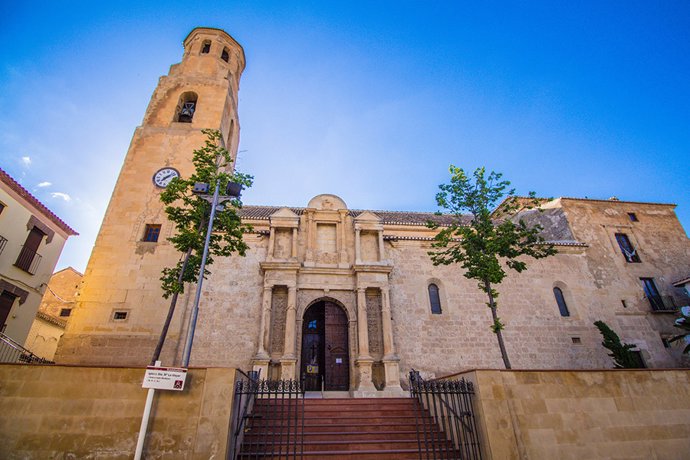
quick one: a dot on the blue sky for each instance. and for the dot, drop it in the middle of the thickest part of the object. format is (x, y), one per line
(368, 100)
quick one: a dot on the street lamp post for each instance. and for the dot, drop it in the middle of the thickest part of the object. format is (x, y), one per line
(233, 190)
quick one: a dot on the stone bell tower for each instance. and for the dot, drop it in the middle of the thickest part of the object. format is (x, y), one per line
(120, 309)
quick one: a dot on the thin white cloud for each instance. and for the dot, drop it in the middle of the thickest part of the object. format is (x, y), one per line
(64, 196)
(45, 184)
(26, 161)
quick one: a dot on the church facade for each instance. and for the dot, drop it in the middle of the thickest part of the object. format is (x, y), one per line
(348, 300)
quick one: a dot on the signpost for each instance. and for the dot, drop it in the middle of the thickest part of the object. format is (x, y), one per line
(157, 378)
(165, 378)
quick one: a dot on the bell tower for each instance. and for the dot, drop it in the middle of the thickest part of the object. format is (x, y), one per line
(120, 306)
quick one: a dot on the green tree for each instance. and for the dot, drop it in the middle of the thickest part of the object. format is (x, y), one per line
(482, 244)
(683, 323)
(621, 353)
(189, 213)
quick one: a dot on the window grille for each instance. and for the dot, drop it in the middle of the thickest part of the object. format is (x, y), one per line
(152, 232)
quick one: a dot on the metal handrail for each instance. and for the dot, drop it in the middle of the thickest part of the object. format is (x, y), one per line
(453, 433)
(269, 420)
(12, 352)
(241, 410)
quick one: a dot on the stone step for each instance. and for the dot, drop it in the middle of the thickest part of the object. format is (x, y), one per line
(340, 427)
(254, 437)
(332, 444)
(354, 419)
(391, 454)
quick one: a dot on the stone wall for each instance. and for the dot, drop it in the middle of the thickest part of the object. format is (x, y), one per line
(614, 414)
(95, 412)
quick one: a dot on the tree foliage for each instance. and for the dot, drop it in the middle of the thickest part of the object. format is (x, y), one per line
(480, 243)
(189, 213)
(621, 353)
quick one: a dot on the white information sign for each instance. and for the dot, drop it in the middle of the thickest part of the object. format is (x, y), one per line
(165, 378)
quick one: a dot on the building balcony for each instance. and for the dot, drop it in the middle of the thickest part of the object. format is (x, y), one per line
(662, 303)
(28, 260)
(3, 243)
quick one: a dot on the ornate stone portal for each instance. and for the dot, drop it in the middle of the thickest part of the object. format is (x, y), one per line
(326, 254)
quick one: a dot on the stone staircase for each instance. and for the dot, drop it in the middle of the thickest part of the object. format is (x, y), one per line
(379, 428)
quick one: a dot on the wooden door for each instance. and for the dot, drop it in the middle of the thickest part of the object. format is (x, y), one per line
(312, 368)
(6, 302)
(337, 375)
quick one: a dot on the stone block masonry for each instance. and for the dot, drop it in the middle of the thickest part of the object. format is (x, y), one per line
(95, 412)
(602, 414)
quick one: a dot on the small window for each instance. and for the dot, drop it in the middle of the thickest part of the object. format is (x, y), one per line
(637, 359)
(206, 47)
(576, 340)
(652, 294)
(65, 312)
(560, 300)
(186, 108)
(120, 315)
(628, 250)
(225, 55)
(625, 305)
(434, 299)
(2, 207)
(152, 232)
(632, 216)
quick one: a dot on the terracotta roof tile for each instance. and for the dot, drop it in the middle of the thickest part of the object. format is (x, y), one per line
(388, 217)
(24, 193)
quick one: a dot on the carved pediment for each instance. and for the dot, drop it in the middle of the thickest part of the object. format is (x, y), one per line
(368, 221)
(284, 217)
(327, 202)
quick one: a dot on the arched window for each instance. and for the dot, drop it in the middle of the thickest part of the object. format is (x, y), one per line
(186, 108)
(560, 300)
(206, 47)
(225, 55)
(434, 299)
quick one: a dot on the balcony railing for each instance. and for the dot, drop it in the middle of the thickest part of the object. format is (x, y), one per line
(3, 243)
(662, 303)
(12, 352)
(28, 260)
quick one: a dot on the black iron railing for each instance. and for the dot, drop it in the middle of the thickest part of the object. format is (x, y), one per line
(3, 243)
(451, 431)
(268, 418)
(662, 303)
(12, 352)
(28, 260)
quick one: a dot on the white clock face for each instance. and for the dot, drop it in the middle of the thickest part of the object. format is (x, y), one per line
(164, 175)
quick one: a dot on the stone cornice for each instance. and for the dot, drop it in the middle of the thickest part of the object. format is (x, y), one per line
(282, 265)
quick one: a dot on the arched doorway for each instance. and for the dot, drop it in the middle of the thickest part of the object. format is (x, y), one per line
(325, 357)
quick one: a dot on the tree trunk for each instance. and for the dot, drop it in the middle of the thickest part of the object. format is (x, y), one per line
(499, 335)
(171, 311)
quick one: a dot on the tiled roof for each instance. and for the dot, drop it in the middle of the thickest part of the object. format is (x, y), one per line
(51, 319)
(24, 193)
(387, 217)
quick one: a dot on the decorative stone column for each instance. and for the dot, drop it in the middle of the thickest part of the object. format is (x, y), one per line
(390, 359)
(262, 359)
(293, 251)
(364, 361)
(271, 244)
(382, 255)
(358, 246)
(309, 259)
(342, 251)
(287, 362)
